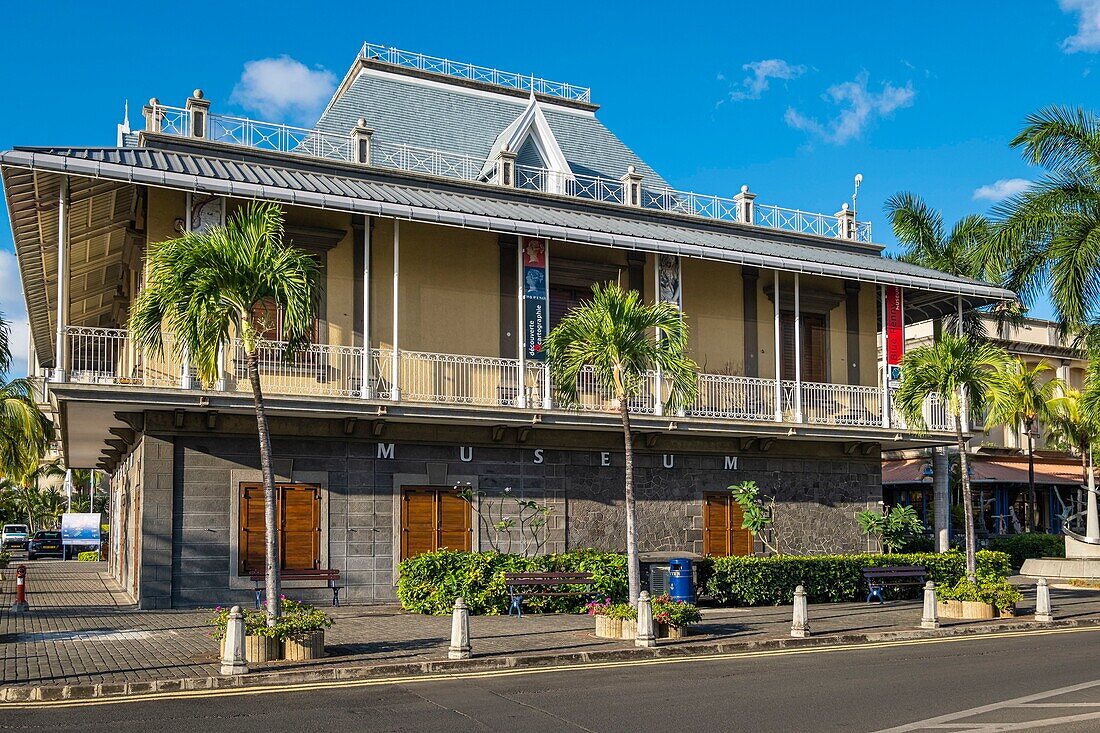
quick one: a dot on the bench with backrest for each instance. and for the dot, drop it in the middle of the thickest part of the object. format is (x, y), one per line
(522, 585)
(878, 578)
(325, 579)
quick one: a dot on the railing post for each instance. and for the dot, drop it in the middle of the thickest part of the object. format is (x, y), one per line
(506, 167)
(360, 142)
(152, 115)
(198, 111)
(632, 187)
(547, 401)
(846, 220)
(60, 351)
(746, 206)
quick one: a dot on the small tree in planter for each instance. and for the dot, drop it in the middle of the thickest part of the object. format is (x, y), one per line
(755, 517)
(895, 526)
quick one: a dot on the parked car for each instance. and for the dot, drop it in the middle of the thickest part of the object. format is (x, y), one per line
(45, 543)
(14, 535)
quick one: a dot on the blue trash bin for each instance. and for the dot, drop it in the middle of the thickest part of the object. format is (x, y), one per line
(681, 583)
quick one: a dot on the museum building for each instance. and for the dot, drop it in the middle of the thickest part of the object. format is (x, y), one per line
(457, 212)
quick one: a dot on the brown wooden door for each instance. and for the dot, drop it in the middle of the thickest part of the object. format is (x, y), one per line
(433, 519)
(298, 519)
(722, 533)
(813, 346)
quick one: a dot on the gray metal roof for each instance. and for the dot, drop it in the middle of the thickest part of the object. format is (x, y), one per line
(228, 171)
(445, 116)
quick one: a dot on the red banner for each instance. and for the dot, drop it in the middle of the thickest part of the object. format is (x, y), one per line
(895, 326)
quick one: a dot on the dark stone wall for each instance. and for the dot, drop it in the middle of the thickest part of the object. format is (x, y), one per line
(190, 480)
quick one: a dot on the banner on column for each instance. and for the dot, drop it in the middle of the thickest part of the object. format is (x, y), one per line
(536, 296)
(895, 331)
(669, 288)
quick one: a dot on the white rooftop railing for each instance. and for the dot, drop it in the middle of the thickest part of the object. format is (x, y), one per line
(340, 147)
(472, 72)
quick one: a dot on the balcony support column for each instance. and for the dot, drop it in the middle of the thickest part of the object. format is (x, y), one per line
(658, 384)
(365, 390)
(395, 364)
(778, 356)
(521, 331)
(60, 367)
(964, 401)
(885, 368)
(798, 417)
(220, 383)
(185, 360)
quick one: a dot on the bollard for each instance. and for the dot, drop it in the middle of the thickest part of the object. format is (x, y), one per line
(460, 631)
(20, 604)
(1042, 602)
(233, 661)
(930, 617)
(645, 636)
(800, 625)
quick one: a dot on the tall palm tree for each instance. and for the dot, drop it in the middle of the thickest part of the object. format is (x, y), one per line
(925, 241)
(963, 372)
(204, 289)
(25, 431)
(1023, 396)
(621, 338)
(1048, 239)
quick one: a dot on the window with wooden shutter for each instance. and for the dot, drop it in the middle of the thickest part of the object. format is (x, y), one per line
(722, 532)
(433, 519)
(813, 346)
(298, 532)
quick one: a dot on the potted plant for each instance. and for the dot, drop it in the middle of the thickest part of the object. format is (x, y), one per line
(302, 629)
(983, 600)
(598, 610)
(673, 618)
(261, 643)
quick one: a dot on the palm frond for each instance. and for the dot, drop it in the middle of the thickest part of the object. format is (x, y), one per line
(1061, 138)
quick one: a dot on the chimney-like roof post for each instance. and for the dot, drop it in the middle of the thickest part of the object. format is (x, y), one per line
(198, 112)
(746, 206)
(152, 115)
(360, 142)
(632, 187)
(506, 167)
(846, 219)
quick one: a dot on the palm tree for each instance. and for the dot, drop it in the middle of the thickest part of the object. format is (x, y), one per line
(1022, 395)
(1047, 239)
(620, 338)
(25, 431)
(1072, 429)
(204, 289)
(963, 372)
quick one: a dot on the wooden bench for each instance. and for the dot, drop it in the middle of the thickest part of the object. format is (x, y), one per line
(521, 585)
(330, 579)
(899, 575)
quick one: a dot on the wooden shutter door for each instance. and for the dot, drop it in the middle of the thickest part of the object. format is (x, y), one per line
(813, 348)
(418, 511)
(250, 546)
(301, 527)
(722, 533)
(740, 539)
(454, 522)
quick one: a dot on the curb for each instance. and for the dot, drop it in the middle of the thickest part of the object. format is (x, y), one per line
(412, 670)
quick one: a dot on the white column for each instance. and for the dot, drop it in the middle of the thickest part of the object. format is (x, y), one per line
(964, 401)
(778, 358)
(658, 387)
(219, 385)
(365, 368)
(546, 400)
(395, 365)
(1092, 517)
(185, 365)
(521, 330)
(62, 279)
(885, 365)
(797, 353)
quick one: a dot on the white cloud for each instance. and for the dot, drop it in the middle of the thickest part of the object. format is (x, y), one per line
(283, 87)
(14, 309)
(1087, 37)
(859, 107)
(1001, 189)
(760, 74)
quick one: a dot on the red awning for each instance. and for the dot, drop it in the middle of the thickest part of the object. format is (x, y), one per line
(990, 469)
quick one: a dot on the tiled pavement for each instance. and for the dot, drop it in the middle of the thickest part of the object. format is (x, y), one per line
(80, 630)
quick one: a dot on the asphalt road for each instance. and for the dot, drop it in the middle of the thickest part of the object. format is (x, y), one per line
(854, 689)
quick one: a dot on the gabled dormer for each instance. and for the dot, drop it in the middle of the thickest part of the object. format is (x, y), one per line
(538, 155)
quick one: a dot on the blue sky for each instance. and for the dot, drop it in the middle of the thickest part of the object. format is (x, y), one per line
(791, 98)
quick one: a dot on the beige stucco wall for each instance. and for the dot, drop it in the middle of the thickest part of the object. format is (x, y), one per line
(712, 301)
(869, 372)
(164, 208)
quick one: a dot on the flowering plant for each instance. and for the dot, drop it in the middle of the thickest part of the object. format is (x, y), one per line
(597, 607)
(675, 613)
(297, 618)
(255, 623)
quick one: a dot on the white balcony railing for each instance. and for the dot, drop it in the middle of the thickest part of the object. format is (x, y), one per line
(341, 147)
(108, 356)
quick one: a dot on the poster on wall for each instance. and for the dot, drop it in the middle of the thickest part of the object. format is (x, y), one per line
(536, 296)
(206, 212)
(895, 331)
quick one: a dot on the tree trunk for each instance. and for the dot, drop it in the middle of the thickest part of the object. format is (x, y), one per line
(271, 538)
(941, 498)
(632, 569)
(968, 502)
(1032, 514)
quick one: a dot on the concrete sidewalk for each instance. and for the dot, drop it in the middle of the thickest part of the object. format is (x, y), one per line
(80, 631)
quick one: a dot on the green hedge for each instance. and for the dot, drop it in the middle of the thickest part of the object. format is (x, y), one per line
(430, 582)
(770, 581)
(1020, 547)
(88, 556)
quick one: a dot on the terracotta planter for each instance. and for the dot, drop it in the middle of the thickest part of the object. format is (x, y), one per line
(630, 630)
(968, 610)
(262, 649)
(310, 645)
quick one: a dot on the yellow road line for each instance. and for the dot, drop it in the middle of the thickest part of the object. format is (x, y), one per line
(513, 672)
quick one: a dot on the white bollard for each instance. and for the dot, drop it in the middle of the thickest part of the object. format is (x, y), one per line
(233, 661)
(930, 618)
(646, 636)
(800, 624)
(460, 631)
(1042, 602)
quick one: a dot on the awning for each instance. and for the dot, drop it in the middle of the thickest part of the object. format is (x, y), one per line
(987, 470)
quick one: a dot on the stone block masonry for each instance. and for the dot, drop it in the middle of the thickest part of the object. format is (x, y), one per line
(191, 476)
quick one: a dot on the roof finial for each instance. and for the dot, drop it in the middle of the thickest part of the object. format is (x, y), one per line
(124, 128)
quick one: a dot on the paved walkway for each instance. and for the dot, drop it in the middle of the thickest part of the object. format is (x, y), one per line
(81, 631)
